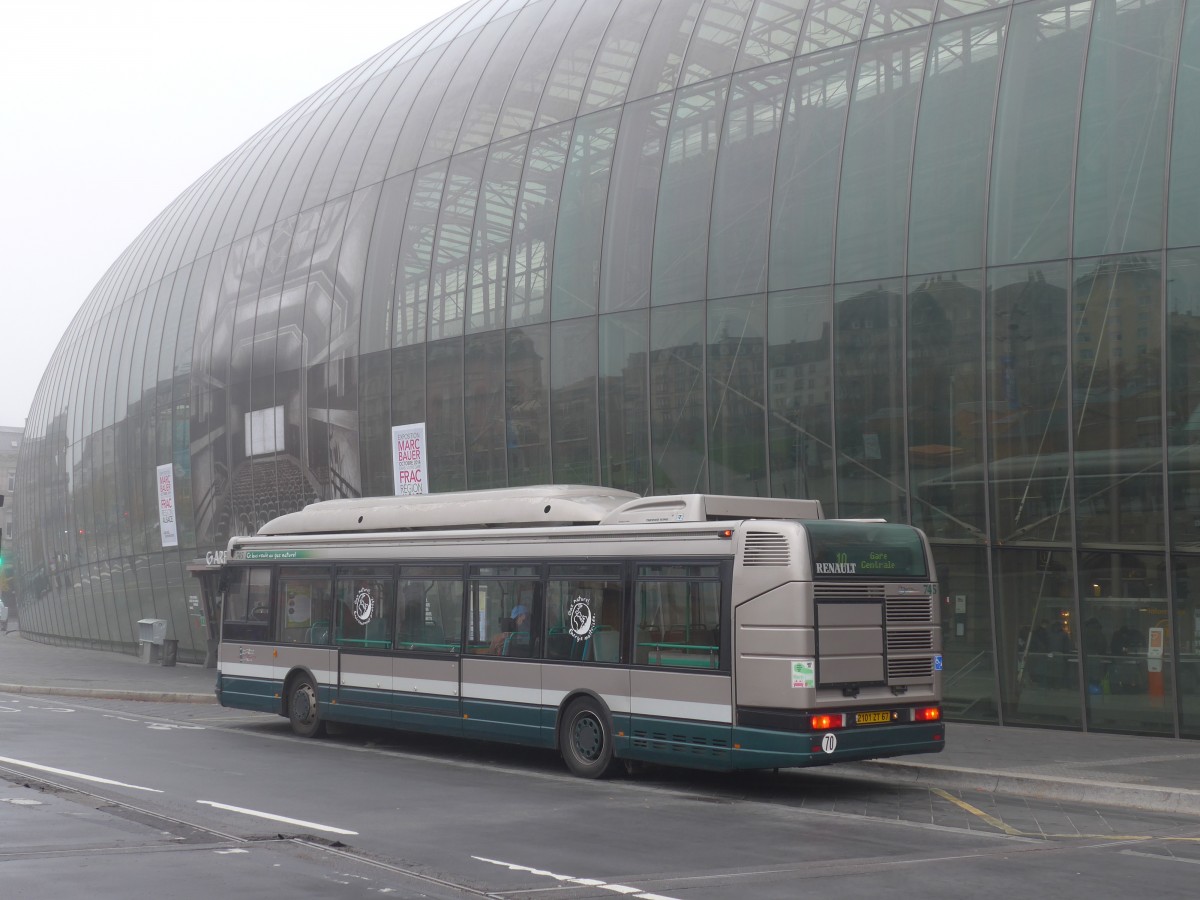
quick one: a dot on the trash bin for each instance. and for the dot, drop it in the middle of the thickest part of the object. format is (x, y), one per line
(170, 652)
(151, 634)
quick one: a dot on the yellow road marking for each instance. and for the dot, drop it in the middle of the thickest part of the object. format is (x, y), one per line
(1016, 832)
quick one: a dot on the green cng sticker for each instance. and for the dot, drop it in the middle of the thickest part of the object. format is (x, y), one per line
(277, 554)
(804, 673)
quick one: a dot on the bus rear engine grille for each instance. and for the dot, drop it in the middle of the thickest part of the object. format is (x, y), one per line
(764, 548)
(687, 745)
(909, 610)
(848, 591)
(909, 641)
(910, 669)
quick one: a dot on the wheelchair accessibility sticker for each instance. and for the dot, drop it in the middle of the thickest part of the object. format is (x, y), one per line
(937, 663)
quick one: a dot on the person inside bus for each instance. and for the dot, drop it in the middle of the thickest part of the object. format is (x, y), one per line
(513, 638)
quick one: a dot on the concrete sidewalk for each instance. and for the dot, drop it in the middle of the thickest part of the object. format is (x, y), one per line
(1160, 774)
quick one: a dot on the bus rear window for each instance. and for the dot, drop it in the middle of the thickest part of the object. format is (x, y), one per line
(876, 551)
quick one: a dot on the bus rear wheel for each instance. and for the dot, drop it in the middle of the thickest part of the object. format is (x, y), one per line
(302, 709)
(585, 739)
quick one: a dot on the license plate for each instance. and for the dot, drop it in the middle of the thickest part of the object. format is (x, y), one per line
(872, 718)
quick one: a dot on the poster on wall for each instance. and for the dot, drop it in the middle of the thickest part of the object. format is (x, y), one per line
(166, 505)
(410, 471)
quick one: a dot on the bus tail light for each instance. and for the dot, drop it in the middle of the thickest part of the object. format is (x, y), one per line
(827, 721)
(927, 714)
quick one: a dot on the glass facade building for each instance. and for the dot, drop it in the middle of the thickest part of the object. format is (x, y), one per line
(936, 261)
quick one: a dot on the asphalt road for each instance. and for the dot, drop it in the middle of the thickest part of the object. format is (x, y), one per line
(112, 799)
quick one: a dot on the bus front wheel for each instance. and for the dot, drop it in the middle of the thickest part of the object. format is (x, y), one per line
(585, 739)
(302, 709)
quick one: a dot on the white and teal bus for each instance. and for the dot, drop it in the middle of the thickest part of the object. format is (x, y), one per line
(696, 630)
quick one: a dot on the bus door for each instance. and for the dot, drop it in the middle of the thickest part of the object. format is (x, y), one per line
(501, 672)
(363, 622)
(425, 669)
(582, 636)
(681, 699)
(303, 613)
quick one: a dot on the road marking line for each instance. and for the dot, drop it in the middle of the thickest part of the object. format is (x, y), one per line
(70, 774)
(636, 893)
(274, 818)
(976, 811)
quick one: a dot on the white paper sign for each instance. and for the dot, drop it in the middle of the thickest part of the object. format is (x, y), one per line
(804, 673)
(166, 505)
(410, 472)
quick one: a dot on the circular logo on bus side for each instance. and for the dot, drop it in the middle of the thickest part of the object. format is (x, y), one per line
(829, 742)
(581, 620)
(364, 605)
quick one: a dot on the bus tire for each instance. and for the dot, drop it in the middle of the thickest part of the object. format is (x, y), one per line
(585, 739)
(303, 712)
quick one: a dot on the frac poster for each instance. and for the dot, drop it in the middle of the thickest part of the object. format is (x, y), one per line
(166, 505)
(409, 459)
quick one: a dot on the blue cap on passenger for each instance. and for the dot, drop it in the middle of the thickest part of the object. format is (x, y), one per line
(520, 610)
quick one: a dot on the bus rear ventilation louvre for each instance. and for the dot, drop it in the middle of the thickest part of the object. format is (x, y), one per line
(680, 743)
(765, 548)
(909, 610)
(907, 669)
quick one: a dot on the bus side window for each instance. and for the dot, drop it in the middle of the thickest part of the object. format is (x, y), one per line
(678, 623)
(364, 608)
(305, 602)
(429, 615)
(583, 617)
(247, 607)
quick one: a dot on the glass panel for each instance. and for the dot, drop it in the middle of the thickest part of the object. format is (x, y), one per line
(1128, 661)
(714, 44)
(662, 54)
(573, 401)
(632, 194)
(736, 367)
(624, 402)
(800, 394)
(526, 406)
(949, 190)
(868, 361)
(678, 624)
(1187, 635)
(383, 142)
(444, 411)
(832, 23)
(429, 616)
(525, 89)
(1123, 127)
(479, 122)
(381, 90)
(456, 93)
(617, 57)
(873, 206)
(576, 282)
(419, 113)
(1027, 403)
(448, 284)
(365, 609)
(677, 399)
(533, 232)
(685, 194)
(808, 170)
(771, 34)
(374, 408)
(416, 253)
(950, 9)
(484, 407)
(741, 205)
(888, 16)
(504, 617)
(1035, 131)
(305, 606)
(945, 405)
(1183, 209)
(969, 678)
(1117, 402)
(487, 295)
(408, 388)
(1039, 660)
(583, 619)
(1183, 396)
(379, 287)
(564, 87)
